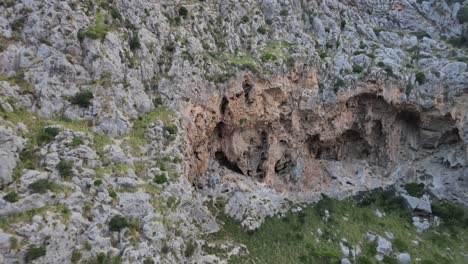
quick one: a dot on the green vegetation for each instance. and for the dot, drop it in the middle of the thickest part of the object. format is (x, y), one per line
(64, 168)
(76, 256)
(160, 178)
(34, 253)
(462, 14)
(11, 197)
(189, 249)
(357, 69)
(183, 12)
(245, 19)
(415, 189)
(262, 30)
(47, 135)
(244, 62)
(42, 186)
(118, 223)
(452, 215)
(284, 12)
(18, 80)
(100, 28)
(103, 258)
(76, 141)
(82, 99)
(134, 41)
(421, 34)
(420, 77)
(98, 182)
(295, 239)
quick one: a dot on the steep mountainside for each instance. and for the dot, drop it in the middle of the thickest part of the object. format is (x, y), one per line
(123, 122)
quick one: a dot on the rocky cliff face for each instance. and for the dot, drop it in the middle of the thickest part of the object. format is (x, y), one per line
(146, 109)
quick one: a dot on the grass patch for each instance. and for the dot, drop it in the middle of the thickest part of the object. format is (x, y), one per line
(415, 189)
(34, 253)
(100, 28)
(295, 239)
(11, 197)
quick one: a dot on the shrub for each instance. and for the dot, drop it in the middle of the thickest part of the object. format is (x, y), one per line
(76, 256)
(400, 245)
(100, 28)
(47, 135)
(115, 13)
(389, 260)
(160, 178)
(268, 57)
(451, 214)
(262, 30)
(189, 249)
(183, 12)
(97, 182)
(245, 19)
(118, 223)
(421, 34)
(148, 260)
(112, 193)
(64, 168)
(34, 253)
(415, 189)
(76, 141)
(134, 41)
(420, 77)
(462, 14)
(40, 186)
(82, 99)
(11, 197)
(284, 12)
(171, 129)
(357, 69)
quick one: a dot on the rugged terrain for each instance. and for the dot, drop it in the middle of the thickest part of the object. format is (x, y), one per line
(141, 131)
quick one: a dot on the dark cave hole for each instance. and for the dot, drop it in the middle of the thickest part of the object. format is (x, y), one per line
(219, 129)
(224, 104)
(223, 161)
(409, 117)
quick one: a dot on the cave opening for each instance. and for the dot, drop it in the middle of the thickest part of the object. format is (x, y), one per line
(225, 162)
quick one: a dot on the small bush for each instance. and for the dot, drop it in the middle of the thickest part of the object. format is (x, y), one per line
(40, 186)
(134, 41)
(76, 141)
(462, 14)
(34, 253)
(421, 34)
(171, 129)
(160, 178)
(415, 189)
(284, 12)
(115, 13)
(189, 249)
(11, 197)
(268, 57)
(183, 12)
(97, 182)
(47, 135)
(245, 19)
(420, 77)
(99, 31)
(357, 69)
(64, 168)
(76, 256)
(262, 30)
(112, 194)
(400, 245)
(148, 260)
(451, 214)
(118, 223)
(389, 260)
(82, 99)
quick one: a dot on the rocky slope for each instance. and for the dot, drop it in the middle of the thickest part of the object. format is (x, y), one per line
(149, 109)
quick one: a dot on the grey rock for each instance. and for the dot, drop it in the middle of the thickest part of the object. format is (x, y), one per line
(404, 258)
(10, 144)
